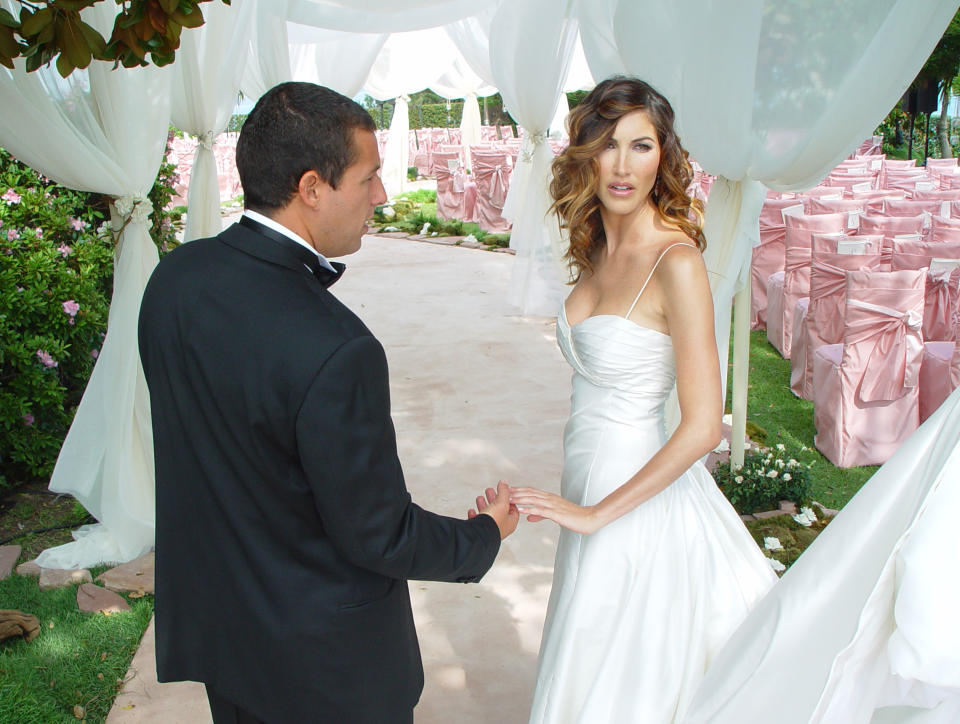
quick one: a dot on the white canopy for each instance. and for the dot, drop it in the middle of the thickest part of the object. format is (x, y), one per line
(765, 93)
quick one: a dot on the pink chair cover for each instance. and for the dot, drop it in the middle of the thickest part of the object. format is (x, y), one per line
(767, 257)
(823, 323)
(936, 381)
(943, 229)
(910, 207)
(941, 304)
(816, 205)
(866, 393)
(451, 185)
(796, 268)
(871, 146)
(823, 190)
(939, 195)
(941, 163)
(890, 226)
(491, 172)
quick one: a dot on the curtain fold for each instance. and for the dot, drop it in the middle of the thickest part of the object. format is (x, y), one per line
(102, 130)
(209, 68)
(269, 61)
(396, 154)
(537, 36)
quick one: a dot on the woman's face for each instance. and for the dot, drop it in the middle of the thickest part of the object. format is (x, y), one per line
(628, 165)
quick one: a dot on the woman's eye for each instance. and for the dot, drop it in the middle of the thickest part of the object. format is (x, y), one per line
(643, 147)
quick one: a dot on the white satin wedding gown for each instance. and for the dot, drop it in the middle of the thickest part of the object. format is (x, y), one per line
(638, 609)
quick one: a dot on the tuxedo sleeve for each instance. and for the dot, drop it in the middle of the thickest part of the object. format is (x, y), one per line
(348, 450)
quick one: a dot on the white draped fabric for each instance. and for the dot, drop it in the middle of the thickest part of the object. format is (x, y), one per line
(536, 37)
(208, 71)
(269, 60)
(102, 130)
(863, 626)
(764, 93)
(396, 154)
(383, 16)
(335, 59)
(470, 123)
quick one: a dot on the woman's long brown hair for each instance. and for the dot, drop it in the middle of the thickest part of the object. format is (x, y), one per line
(576, 170)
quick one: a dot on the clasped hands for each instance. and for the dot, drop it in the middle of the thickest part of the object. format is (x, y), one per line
(506, 504)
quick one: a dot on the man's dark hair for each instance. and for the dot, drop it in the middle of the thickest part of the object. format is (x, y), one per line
(295, 128)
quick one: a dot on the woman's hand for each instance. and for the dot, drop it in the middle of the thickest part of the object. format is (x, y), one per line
(539, 504)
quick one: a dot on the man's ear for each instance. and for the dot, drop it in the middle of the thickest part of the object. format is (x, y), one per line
(312, 189)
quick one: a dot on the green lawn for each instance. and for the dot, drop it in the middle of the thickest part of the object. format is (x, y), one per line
(789, 420)
(78, 659)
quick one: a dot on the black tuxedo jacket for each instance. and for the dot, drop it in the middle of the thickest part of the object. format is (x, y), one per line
(285, 533)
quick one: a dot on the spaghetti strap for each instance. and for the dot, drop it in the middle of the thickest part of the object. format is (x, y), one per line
(650, 275)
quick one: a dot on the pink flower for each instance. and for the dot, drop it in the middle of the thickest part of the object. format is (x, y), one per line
(38, 232)
(64, 250)
(94, 353)
(46, 359)
(28, 419)
(12, 234)
(11, 197)
(77, 224)
(71, 307)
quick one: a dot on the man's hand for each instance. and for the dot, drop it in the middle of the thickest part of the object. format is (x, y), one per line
(498, 506)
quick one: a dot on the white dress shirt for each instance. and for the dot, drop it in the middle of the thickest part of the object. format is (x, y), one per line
(268, 222)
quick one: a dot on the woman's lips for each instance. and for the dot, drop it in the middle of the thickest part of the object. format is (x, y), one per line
(620, 189)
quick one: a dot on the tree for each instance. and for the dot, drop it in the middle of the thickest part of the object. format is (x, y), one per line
(943, 66)
(53, 29)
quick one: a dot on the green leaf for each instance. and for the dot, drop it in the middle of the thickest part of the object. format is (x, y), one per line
(64, 66)
(34, 61)
(7, 19)
(169, 5)
(33, 23)
(192, 20)
(95, 41)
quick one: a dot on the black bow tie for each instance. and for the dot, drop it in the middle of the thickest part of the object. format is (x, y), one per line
(307, 257)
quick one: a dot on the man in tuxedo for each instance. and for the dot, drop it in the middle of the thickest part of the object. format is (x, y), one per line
(285, 533)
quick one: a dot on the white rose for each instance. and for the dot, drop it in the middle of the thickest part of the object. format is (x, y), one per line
(787, 477)
(738, 479)
(776, 565)
(772, 474)
(781, 446)
(772, 544)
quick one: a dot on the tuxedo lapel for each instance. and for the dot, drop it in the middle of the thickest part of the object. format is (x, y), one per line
(284, 252)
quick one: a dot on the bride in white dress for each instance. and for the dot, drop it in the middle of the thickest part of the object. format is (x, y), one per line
(654, 569)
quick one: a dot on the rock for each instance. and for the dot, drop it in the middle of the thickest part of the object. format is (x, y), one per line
(8, 558)
(51, 578)
(768, 514)
(15, 623)
(787, 507)
(30, 568)
(136, 576)
(92, 598)
(747, 518)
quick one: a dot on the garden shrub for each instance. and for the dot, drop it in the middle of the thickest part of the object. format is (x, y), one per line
(56, 278)
(765, 478)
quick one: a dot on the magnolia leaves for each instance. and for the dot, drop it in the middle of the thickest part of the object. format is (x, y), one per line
(54, 29)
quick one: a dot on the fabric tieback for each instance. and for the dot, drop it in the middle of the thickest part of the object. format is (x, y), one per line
(530, 143)
(323, 275)
(135, 207)
(206, 140)
(893, 365)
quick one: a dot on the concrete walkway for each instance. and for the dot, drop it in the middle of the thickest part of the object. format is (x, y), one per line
(479, 393)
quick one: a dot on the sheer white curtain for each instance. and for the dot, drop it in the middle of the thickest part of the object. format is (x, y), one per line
(102, 130)
(535, 38)
(331, 58)
(460, 81)
(408, 62)
(208, 70)
(269, 60)
(862, 628)
(765, 93)
(383, 16)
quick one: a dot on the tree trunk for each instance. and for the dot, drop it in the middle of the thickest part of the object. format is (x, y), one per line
(943, 123)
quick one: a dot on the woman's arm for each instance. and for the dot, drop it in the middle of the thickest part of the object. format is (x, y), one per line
(688, 308)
